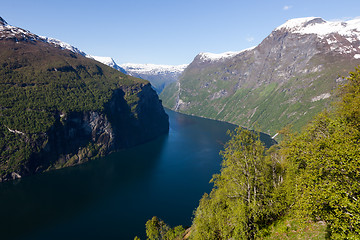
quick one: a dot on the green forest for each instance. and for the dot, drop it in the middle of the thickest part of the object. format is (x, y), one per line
(38, 83)
(305, 187)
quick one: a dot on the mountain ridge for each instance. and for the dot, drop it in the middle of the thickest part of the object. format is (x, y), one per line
(109, 61)
(51, 96)
(9, 31)
(159, 75)
(286, 79)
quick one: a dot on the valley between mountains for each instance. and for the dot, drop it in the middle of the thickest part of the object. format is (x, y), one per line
(61, 107)
(285, 80)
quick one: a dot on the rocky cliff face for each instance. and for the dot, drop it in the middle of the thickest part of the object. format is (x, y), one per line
(286, 79)
(59, 108)
(78, 137)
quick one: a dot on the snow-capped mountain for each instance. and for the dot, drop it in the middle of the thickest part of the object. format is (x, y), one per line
(324, 37)
(153, 68)
(19, 34)
(63, 45)
(206, 56)
(341, 36)
(322, 28)
(159, 75)
(108, 61)
(329, 31)
(288, 78)
(8, 31)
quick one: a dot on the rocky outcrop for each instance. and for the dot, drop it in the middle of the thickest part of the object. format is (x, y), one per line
(136, 122)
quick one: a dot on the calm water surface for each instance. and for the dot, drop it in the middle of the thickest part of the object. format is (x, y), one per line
(113, 197)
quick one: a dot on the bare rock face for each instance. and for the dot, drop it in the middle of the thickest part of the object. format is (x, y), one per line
(273, 84)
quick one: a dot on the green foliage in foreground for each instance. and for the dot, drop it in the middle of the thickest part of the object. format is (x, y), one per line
(156, 229)
(306, 187)
(237, 205)
(309, 177)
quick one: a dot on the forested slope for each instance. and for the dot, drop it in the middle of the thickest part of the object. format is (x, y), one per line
(306, 187)
(59, 108)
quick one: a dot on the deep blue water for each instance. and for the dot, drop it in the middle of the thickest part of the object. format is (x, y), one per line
(113, 197)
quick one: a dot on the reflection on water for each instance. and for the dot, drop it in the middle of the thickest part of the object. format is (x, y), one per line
(113, 197)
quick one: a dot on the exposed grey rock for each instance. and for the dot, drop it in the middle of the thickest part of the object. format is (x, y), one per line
(297, 62)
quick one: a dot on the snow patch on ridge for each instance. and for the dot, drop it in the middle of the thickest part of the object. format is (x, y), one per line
(217, 56)
(299, 23)
(7, 31)
(62, 45)
(357, 56)
(153, 68)
(206, 56)
(322, 28)
(105, 60)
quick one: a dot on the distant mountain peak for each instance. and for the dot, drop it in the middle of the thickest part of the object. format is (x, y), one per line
(207, 56)
(159, 75)
(300, 23)
(298, 64)
(18, 34)
(153, 68)
(322, 28)
(108, 61)
(2, 21)
(62, 45)
(105, 60)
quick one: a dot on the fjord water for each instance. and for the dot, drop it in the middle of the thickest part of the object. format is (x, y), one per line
(113, 197)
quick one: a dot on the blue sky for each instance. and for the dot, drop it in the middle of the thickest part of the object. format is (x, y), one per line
(164, 31)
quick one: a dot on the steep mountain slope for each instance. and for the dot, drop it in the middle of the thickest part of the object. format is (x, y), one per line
(288, 78)
(159, 75)
(59, 108)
